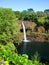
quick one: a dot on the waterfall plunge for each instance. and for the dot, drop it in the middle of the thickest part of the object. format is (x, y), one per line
(25, 39)
(24, 31)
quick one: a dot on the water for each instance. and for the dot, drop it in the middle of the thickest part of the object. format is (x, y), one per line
(31, 47)
(24, 31)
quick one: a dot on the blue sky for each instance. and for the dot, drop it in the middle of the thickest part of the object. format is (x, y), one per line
(37, 5)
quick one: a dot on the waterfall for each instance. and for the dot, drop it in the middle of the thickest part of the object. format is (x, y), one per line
(24, 31)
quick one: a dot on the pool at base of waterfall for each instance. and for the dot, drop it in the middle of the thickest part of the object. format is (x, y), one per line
(31, 47)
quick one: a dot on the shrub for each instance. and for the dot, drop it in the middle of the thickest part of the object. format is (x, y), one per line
(41, 29)
(8, 57)
(9, 26)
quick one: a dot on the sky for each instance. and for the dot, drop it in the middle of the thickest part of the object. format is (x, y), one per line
(20, 5)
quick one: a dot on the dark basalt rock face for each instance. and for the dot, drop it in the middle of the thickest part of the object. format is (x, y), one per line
(39, 38)
(31, 28)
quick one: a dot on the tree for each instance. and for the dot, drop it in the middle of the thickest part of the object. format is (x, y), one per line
(46, 11)
(41, 21)
(17, 13)
(40, 14)
(24, 11)
(30, 10)
(9, 27)
(46, 24)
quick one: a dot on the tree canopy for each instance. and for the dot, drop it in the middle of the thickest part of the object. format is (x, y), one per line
(9, 27)
(39, 17)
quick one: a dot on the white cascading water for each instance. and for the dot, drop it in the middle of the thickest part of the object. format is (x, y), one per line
(24, 31)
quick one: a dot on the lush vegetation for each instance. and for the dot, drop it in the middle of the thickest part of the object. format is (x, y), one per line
(39, 17)
(9, 26)
(10, 34)
(38, 23)
(9, 57)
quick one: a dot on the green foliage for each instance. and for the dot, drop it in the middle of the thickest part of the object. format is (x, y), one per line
(10, 33)
(17, 13)
(41, 21)
(30, 10)
(8, 57)
(9, 26)
(40, 14)
(46, 11)
(7, 19)
(39, 17)
(36, 59)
